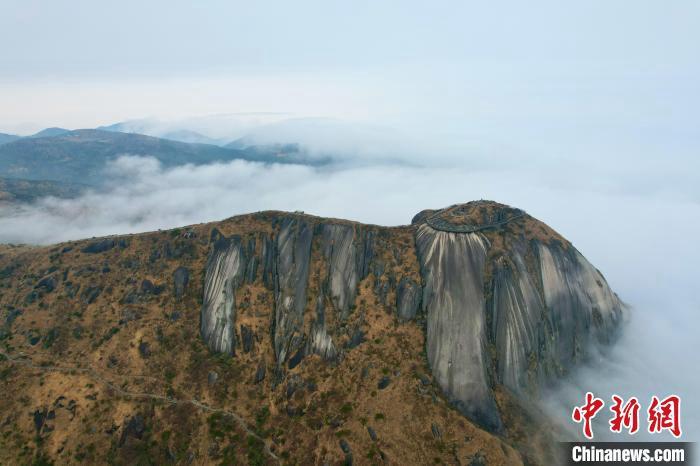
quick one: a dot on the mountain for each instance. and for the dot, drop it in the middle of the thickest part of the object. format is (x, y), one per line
(5, 138)
(283, 337)
(49, 133)
(19, 191)
(80, 156)
(215, 129)
(193, 137)
(149, 128)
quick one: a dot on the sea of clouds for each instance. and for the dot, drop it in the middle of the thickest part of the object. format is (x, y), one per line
(638, 229)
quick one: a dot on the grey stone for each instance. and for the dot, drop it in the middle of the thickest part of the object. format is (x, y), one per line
(224, 273)
(135, 427)
(295, 360)
(357, 338)
(478, 460)
(90, 294)
(144, 349)
(408, 295)
(320, 341)
(99, 246)
(366, 254)
(345, 446)
(452, 265)
(247, 338)
(291, 271)
(268, 260)
(12, 314)
(341, 256)
(260, 372)
(252, 266)
(372, 434)
(181, 277)
(47, 284)
(149, 288)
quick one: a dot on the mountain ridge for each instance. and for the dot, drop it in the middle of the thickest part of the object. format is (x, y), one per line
(327, 332)
(80, 156)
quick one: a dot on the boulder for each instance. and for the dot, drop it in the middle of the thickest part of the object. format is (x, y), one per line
(97, 247)
(181, 277)
(408, 295)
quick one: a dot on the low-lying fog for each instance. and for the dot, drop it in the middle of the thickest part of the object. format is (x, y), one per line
(639, 231)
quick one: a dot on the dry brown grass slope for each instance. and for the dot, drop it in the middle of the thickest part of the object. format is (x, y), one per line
(103, 364)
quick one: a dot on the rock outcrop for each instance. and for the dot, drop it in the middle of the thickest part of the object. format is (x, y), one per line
(503, 298)
(453, 265)
(291, 275)
(496, 278)
(408, 297)
(341, 256)
(225, 271)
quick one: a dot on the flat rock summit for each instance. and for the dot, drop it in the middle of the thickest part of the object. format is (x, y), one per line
(285, 337)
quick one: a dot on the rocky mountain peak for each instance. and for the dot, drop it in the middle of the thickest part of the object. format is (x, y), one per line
(320, 327)
(503, 298)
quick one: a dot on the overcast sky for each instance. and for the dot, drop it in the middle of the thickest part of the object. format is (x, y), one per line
(528, 76)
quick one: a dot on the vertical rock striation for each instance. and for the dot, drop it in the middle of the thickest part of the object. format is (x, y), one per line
(341, 256)
(453, 272)
(320, 342)
(506, 300)
(224, 273)
(408, 296)
(517, 327)
(291, 274)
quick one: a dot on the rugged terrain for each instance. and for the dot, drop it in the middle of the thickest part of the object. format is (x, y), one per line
(81, 156)
(286, 338)
(15, 191)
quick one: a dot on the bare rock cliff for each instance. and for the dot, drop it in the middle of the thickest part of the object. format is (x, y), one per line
(503, 299)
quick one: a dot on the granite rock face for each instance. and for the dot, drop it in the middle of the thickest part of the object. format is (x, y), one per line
(408, 297)
(343, 275)
(181, 277)
(453, 298)
(292, 255)
(489, 282)
(505, 301)
(224, 273)
(320, 342)
(517, 327)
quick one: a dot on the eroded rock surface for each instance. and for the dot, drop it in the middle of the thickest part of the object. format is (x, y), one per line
(496, 278)
(505, 300)
(453, 296)
(291, 275)
(341, 255)
(225, 271)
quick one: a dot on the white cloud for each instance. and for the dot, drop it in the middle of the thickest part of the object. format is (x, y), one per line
(643, 241)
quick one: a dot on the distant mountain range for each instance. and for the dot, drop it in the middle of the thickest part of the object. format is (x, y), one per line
(44, 133)
(181, 135)
(80, 156)
(49, 133)
(18, 190)
(5, 138)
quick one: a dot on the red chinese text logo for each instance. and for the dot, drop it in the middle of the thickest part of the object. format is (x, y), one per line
(665, 415)
(661, 415)
(587, 412)
(626, 416)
